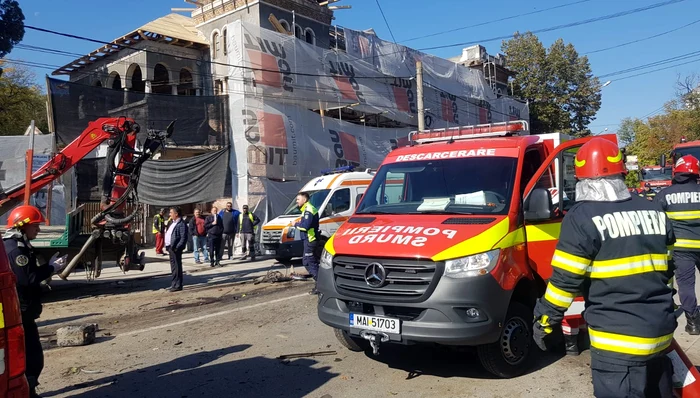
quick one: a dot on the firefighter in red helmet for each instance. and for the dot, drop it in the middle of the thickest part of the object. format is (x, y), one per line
(23, 227)
(681, 201)
(613, 251)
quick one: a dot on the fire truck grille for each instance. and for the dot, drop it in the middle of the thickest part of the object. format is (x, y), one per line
(271, 236)
(404, 280)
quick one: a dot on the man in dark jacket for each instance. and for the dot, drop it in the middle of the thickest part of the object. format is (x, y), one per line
(215, 230)
(23, 226)
(190, 234)
(229, 216)
(247, 225)
(175, 243)
(198, 231)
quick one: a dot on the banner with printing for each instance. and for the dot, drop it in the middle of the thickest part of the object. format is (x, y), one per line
(374, 77)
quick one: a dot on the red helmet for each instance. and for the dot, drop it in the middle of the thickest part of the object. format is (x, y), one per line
(687, 164)
(24, 215)
(599, 158)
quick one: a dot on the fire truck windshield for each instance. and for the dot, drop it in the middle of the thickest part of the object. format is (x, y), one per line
(478, 185)
(656, 175)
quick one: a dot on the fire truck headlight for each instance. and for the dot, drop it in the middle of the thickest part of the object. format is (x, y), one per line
(326, 260)
(474, 265)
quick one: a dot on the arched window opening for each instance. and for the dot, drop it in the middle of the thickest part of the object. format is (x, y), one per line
(186, 86)
(161, 80)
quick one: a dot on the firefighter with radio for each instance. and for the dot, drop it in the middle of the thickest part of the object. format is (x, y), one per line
(308, 227)
(613, 251)
(681, 201)
(22, 227)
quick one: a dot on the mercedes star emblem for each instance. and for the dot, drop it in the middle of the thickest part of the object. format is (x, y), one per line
(375, 275)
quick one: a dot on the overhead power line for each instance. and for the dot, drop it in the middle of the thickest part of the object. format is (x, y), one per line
(495, 20)
(652, 64)
(72, 36)
(385, 21)
(563, 26)
(657, 70)
(643, 39)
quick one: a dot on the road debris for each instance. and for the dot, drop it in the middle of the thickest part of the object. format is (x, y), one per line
(74, 335)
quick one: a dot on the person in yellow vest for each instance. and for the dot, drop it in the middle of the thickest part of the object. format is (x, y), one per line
(158, 229)
(310, 234)
(247, 226)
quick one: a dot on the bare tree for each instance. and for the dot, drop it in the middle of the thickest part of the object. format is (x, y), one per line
(688, 91)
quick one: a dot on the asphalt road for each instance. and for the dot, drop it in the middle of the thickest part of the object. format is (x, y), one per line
(222, 337)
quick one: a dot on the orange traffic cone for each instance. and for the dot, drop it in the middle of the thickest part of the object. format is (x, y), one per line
(686, 378)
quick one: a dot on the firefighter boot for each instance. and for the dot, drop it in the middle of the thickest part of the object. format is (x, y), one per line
(571, 344)
(693, 326)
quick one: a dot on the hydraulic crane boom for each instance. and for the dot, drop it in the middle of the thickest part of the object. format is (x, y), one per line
(96, 133)
(119, 184)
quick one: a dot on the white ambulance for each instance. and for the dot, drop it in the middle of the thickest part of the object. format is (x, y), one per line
(335, 194)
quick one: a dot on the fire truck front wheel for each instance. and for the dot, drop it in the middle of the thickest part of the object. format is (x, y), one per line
(351, 343)
(509, 356)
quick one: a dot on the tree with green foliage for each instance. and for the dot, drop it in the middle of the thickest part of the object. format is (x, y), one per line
(21, 101)
(562, 92)
(11, 26)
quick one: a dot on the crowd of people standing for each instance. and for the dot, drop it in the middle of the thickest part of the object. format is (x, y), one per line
(208, 237)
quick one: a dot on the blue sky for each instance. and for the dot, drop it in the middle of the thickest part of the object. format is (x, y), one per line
(634, 97)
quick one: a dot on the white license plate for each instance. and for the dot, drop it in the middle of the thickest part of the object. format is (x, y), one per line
(376, 323)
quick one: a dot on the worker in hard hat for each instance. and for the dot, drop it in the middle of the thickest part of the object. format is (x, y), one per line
(681, 201)
(22, 228)
(613, 251)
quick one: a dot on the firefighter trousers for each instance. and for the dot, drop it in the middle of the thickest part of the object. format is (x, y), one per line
(33, 350)
(651, 380)
(685, 263)
(311, 257)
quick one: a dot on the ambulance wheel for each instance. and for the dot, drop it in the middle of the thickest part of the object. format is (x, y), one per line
(355, 344)
(508, 357)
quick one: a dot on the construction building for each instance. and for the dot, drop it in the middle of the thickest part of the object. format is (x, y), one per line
(278, 87)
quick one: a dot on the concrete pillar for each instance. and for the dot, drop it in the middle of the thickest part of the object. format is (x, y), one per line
(198, 92)
(173, 89)
(225, 86)
(126, 95)
(148, 88)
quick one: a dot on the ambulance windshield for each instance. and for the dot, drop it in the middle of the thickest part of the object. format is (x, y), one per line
(315, 197)
(477, 185)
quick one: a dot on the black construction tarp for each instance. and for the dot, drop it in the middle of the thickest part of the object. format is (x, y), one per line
(201, 178)
(201, 120)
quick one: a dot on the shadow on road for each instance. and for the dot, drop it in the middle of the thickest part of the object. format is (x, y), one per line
(446, 362)
(210, 374)
(67, 319)
(229, 274)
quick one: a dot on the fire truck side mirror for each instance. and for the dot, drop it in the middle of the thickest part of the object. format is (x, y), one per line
(538, 205)
(662, 161)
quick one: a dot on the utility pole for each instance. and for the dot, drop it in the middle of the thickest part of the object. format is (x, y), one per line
(419, 90)
(29, 161)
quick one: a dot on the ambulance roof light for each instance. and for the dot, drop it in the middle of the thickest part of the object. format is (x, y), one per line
(343, 169)
(683, 139)
(502, 129)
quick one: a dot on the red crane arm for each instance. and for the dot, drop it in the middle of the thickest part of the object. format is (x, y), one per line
(97, 132)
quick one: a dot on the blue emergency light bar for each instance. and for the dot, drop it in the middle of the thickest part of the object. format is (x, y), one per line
(338, 170)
